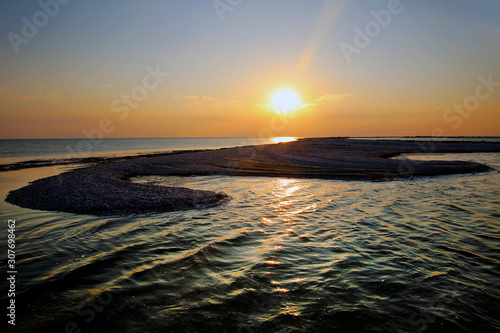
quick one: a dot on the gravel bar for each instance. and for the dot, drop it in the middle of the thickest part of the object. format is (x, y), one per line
(104, 189)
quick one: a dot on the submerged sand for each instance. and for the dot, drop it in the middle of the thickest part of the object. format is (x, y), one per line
(104, 189)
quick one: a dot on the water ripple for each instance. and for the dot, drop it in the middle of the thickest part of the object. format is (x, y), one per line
(284, 255)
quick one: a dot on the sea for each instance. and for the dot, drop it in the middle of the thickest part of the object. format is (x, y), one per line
(16, 150)
(283, 255)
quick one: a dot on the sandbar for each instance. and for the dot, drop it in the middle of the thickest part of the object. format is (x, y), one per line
(104, 189)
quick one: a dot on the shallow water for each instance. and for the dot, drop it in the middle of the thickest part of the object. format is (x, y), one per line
(283, 255)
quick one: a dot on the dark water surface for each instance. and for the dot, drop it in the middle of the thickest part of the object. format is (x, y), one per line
(283, 255)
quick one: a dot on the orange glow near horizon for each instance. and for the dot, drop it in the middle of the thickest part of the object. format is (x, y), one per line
(259, 72)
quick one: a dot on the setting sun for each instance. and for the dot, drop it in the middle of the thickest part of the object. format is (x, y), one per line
(285, 100)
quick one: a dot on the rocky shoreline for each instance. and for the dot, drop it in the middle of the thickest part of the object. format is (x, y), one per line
(104, 189)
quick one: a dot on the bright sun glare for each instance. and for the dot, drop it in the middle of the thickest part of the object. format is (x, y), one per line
(285, 100)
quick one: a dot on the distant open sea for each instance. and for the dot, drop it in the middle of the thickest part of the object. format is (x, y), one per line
(13, 150)
(22, 149)
(284, 255)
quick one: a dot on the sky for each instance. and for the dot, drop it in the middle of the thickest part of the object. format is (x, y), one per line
(204, 68)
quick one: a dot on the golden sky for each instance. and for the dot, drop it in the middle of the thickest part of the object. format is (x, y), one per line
(211, 68)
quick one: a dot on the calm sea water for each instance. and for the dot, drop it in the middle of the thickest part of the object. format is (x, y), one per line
(284, 255)
(22, 149)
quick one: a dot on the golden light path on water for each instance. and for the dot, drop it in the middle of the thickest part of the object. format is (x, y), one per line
(284, 254)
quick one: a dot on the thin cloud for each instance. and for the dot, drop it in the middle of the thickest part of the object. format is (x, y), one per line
(107, 86)
(207, 102)
(329, 98)
(39, 94)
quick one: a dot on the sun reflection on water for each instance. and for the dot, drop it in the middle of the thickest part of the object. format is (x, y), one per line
(283, 139)
(288, 192)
